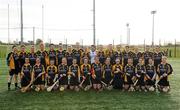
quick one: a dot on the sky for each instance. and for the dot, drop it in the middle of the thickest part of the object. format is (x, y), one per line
(72, 20)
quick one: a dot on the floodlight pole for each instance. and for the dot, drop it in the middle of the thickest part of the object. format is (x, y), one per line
(153, 14)
(21, 20)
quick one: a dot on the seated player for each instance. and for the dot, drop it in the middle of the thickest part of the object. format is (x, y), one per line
(140, 74)
(38, 76)
(96, 74)
(164, 70)
(74, 74)
(62, 72)
(52, 74)
(150, 76)
(25, 75)
(118, 75)
(86, 75)
(13, 64)
(107, 73)
(129, 72)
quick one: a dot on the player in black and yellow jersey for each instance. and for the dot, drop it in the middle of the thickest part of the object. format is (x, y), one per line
(118, 75)
(150, 76)
(63, 73)
(86, 74)
(51, 73)
(86, 54)
(107, 72)
(136, 56)
(43, 55)
(77, 53)
(129, 73)
(163, 71)
(101, 55)
(157, 57)
(14, 66)
(32, 56)
(60, 54)
(22, 55)
(147, 54)
(52, 54)
(140, 75)
(96, 74)
(69, 55)
(26, 73)
(38, 75)
(110, 54)
(126, 55)
(74, 74)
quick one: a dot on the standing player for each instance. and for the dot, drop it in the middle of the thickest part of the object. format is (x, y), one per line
(96, 74)
(69, 56)
(129, 72)
(42, 54)
(110, 54)
(22, 55)
(126, 55)
(118, 75)
(101, 55)
(32, 56)
(26, 73)
(38, 76)
(136, 56)
(62, 72)
(77, 53)
(92, 54)
(147, 54)
(150, 76)
(157, 57)
(164, 70)
(52, 54)
(140, 75)
(14, 66)
(60, 54)
(74, 74)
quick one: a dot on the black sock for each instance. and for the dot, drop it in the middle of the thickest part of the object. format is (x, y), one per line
(9, 84)
(15, 84)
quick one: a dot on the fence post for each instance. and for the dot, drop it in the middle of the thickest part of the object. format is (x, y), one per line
(175, 49)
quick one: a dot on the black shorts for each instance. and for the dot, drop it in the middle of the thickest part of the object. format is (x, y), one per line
(129, 80)
(14, 72)
(74, 81)
(39, 81)
(25, 81)
(107, 80)
(63, 81)
(163, 82)
(118, 82)
(96, 80)
(150, 82)
(141, 81)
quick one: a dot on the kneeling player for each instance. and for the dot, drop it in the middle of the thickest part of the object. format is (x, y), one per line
(164, 70)
(118, 75)
(96, 74)
(62, 72)
(150, 76)
(129, 72)
(25, 75)
(74, 74)
(140, 74)
(38, 76)
(86, 75)
(107, 73)
(52, 74)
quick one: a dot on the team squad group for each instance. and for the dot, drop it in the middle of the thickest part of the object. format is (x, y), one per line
(126, 69)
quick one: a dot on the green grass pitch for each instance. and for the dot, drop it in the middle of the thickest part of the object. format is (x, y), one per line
(106, 100)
